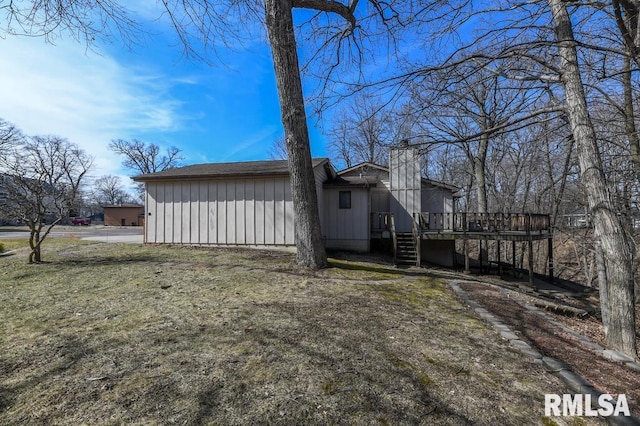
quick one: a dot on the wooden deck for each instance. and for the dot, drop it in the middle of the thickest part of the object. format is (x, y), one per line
(471, 226)
(514, 227)
(484, 226)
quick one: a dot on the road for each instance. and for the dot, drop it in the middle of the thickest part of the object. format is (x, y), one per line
(111, 234)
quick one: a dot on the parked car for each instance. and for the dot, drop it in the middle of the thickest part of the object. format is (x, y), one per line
(80, 221)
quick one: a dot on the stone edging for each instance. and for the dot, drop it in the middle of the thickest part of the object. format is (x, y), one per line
(8, 253)
(605, 353)
(572, 380)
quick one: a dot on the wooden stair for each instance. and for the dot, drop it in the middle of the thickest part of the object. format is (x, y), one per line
(406, 253)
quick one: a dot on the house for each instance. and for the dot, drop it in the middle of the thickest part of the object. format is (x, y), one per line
(361, 207)
(124, 215)
(382, 192)
(250, 203)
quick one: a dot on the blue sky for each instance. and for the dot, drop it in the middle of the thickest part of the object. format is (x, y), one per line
(225, 112)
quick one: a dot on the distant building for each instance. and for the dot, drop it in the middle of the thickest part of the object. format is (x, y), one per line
(124, 215)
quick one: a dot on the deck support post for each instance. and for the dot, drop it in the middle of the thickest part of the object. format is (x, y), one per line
(480, 254)
(531, 284)
(466, 256)
(550, 258)
(513, 258)
(499, 263)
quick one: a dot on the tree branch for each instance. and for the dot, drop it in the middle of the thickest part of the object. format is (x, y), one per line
(330, 6)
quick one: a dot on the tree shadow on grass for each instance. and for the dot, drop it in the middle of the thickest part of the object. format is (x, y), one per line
(41, 365)
(327, 369)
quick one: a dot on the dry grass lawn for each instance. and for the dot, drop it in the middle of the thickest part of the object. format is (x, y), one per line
(129, 334)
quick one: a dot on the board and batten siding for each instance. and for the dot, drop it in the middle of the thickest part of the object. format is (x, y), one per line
(346, 229)
(437, 200)
(320, 175)
(252, 211)
(405, 186)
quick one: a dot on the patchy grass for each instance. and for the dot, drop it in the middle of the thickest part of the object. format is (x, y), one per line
(111, 333)
(15, 243)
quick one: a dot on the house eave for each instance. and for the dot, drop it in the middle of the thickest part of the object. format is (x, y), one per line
(175, 175)
(347, 185)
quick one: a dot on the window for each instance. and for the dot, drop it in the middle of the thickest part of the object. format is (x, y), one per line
(344, 200)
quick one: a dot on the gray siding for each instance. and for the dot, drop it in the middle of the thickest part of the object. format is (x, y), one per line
(346, 228)
(320, 175)
(225, 211)
(406, 184)
(437, 200)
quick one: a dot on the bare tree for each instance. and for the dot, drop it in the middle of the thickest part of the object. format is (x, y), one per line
(9, 136)
(617, 253)
(85, 20)
(42, 176)
(141, 157)
(110, 190)
(278, 150)
(363, 129)
(473, 107)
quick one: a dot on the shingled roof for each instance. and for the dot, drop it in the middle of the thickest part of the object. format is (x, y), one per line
(366, 165)
(220, 170)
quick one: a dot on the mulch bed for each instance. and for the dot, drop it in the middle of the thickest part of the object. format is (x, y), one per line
(607, 376)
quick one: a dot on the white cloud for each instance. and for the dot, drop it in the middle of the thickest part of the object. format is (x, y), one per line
(83, 96)
(247, 147)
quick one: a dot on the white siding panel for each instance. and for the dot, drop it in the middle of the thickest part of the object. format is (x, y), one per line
(347, 224)
(160, 213)
(191, 210)
(168, 213)
(320, 175)
(279, 211)
(173, 234)
(259, 212)
(240, 212)
(203, 212)
(437, 200)
(290, 225)
(231, 212)
(222, 213)
(405, 186)
(269, 212)
(151, 213)
(180, 219)
(212, 204)
(448, 202)
(331, 201)
(250, 212)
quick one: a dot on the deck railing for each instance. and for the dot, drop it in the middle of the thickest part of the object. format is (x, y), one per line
(469, 222)
(380, 221)
(484, 222)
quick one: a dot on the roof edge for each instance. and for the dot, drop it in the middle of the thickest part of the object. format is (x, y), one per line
(149, 177)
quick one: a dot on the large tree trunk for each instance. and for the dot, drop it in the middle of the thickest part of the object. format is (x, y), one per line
(609, 232)
(630, 128)
(480, 175)
(309, 244)
(603, 290)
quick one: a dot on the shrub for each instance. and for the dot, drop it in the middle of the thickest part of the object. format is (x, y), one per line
(1, 247)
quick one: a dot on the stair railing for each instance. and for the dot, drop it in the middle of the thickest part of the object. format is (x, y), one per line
(394, 238)
(416, 237)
